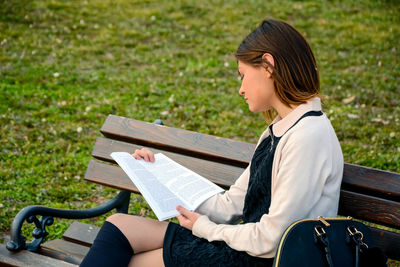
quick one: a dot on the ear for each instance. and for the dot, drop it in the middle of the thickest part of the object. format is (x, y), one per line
(270, 59)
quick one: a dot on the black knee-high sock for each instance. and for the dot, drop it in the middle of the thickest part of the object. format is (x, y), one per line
(110, 248)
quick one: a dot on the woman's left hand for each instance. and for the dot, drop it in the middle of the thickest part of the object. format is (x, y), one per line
(187, 218)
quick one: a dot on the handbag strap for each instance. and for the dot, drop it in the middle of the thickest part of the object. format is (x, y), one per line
(357, 237)
(324, 241)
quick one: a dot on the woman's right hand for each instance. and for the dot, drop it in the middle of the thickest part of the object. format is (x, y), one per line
(144, 153)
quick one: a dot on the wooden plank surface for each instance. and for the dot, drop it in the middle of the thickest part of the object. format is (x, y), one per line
(114, 176)
(371, 181)
(217, 172)
(81, 233)
(178, 140)
(26, 258)
(109, 175)
(389, 242)
(62, 249)
(368, 208)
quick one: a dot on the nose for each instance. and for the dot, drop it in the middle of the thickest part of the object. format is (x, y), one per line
(241, 90)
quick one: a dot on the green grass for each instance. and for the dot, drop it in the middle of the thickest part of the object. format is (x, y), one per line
(66, 65)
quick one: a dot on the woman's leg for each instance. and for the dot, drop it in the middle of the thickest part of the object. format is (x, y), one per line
(153, 258)
(110, 248)
(123, 235)
(143, 234)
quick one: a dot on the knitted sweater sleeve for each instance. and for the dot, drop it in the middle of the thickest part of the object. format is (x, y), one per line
(303, 167)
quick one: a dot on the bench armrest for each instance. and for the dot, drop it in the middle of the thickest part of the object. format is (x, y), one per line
(18, 241)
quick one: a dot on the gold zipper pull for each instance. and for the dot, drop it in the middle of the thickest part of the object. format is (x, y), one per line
(321, 219)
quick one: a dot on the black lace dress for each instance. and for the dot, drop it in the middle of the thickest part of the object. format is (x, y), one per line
(182, 248)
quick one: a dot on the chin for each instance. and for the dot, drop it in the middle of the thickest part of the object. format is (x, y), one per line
(254, 110)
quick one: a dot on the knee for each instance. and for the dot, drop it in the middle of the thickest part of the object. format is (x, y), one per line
(115, 218)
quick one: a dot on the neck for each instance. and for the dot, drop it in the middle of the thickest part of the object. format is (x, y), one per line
(284, 110)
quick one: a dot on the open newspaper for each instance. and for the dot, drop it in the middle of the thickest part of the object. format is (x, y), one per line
(165, 184)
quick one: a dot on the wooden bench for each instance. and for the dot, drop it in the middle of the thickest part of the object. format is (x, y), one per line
(367, 194)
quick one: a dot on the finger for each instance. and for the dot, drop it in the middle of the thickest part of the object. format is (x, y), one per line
(144, 154)
(186, 213)
(136, 156)
(184, 222)
(148, 154)
(140, 153)
(179, 208)
(151, 156)
(180, 219)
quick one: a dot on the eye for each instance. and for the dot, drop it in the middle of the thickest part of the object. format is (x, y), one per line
(241, 76)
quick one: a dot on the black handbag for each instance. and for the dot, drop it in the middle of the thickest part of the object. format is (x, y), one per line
(331, 242)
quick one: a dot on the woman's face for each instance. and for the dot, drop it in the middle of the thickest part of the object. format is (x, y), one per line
(257, 87)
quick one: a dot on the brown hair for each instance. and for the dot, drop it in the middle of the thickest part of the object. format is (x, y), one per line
(295, 72)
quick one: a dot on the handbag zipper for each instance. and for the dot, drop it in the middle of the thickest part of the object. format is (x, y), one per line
(321, 219)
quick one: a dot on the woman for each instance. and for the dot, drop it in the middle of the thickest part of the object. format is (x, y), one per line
(295, 172)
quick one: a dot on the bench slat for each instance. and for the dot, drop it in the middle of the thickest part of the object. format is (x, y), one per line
(109, 175)
(64, 250)
(363, 179)
(389, 242)
(178, 140)
(81, 233)
(368, 208)
(114, 176)
(217, 172)
(25, 258)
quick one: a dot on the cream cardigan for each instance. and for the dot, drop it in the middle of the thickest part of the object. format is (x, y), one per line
(306, 176)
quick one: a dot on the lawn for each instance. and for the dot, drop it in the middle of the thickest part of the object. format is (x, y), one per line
(66, 65)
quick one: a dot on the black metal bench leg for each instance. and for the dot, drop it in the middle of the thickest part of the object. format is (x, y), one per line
(18, 241)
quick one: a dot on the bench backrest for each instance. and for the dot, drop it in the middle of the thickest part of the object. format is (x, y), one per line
(367, 194)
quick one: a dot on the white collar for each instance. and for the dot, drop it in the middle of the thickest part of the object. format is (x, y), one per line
(280, 126)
